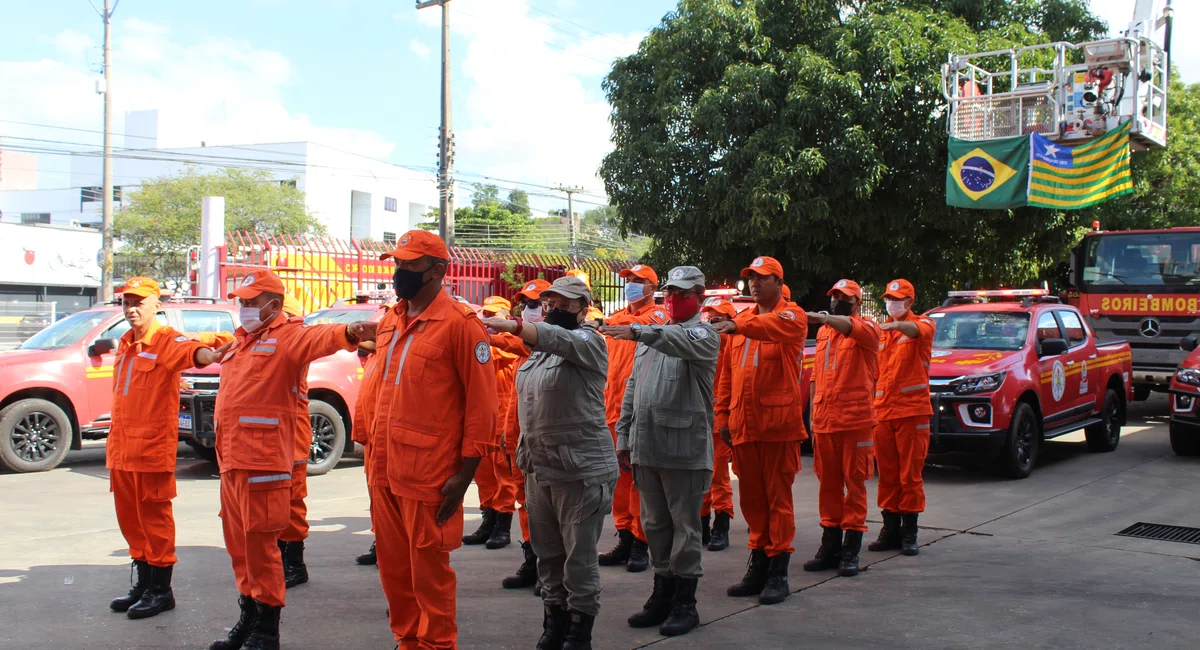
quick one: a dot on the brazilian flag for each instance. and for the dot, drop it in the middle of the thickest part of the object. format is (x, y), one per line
(992, 175)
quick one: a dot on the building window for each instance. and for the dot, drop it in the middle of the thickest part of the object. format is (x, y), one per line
(389, 204)
(95, 194)
(389, 238)
(35, 217)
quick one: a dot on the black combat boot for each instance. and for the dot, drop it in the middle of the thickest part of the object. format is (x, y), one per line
(295, 571)
(501, 535)
(850, 548)
(137, 586)
(484, 531)
(684, 617)
(776, 590)
(579, 634)
(639, 557)
(526, 575)
(158, 597)
(368, 558)
(241, 629)
(720, 533)
(889, 535)
(756, 576)
(705, 530)
(619, 553)
(658, 607)
(908, 534)
(555, 621)
(829, 555)
(265, 635)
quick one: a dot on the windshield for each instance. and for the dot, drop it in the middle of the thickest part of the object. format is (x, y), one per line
(1150, 259)
(67, 331)
(980, 330)
(326, 316)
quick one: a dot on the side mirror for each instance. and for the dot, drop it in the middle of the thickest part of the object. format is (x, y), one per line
(1189, 343)
(101, 347)
(1053, 347)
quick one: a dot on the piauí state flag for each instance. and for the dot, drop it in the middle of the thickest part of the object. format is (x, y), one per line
(1070, 178)
(991, 175)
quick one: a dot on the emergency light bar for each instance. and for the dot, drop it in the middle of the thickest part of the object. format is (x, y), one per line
(999, 293)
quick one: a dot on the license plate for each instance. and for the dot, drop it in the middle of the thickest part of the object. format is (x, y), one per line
(185, 422)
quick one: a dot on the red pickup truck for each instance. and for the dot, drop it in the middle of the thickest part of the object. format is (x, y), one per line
(1185, 401)
(1013, 368)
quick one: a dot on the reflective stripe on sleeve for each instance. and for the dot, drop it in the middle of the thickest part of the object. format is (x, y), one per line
(302, 461)
(878, 393)
(253, 419)
(745, 352)
(867, 443)
(922, 426)
(264, 348)
(909, 389)
(148, 355)
(270, 478)
(302, 395)
(756, 357)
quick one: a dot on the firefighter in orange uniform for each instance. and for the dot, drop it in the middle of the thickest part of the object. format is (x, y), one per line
(364, 419)
(435, 420)
(903, 409)
(760, 413)
(143, 440)
(497, 489)
(291, 540)
(843, 420)
(530, 301)
(640, 283)
(256, 415)
(720, 492)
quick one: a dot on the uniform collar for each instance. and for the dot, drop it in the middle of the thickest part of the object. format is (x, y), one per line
(911, 317)
(435, 311)
(127, 337)
(649, 306)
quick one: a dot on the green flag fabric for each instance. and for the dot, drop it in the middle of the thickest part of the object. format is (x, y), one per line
(1070, 178)
(991, 175)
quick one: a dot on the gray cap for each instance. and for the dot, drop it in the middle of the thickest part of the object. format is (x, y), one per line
(569, 286)
(684, 277)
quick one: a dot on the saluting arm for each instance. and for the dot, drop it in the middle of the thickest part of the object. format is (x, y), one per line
(907, 328)
(697, 343)
(724, 392)
(583, 347)
(787, 326)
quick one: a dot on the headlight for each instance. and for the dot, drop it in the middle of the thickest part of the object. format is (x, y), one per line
(979, 383)
(1189, 376)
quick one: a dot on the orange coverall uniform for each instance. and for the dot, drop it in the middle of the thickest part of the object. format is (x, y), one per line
(842, 420)
(903, 409)
(144, 438)
(759, 399)
(497, 489)
(256, 415)
(627, 503)
(720, 492)
(436, 405)
(511, 344)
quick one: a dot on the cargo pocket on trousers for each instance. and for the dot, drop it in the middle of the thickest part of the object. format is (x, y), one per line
(595, 498)
(864, 460)
(270, 503)
(158, 486)
(446, 537)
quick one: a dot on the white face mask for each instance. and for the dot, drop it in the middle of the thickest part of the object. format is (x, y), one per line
(532, 314)
(896, 308)
(251, 318)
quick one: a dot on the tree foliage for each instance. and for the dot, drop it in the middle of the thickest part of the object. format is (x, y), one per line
(814, 131)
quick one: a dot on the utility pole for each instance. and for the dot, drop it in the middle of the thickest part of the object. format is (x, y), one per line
(446, 135)
(106, 269)
(572, 230)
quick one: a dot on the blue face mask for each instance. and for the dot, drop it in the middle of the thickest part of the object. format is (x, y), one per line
(634, 291)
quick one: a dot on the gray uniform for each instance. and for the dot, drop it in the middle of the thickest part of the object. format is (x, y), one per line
(567, 455)
(666, 425)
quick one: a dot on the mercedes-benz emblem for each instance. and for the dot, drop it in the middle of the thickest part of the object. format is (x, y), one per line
(1150, 327)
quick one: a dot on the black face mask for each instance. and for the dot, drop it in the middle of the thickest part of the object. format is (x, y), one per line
(408, 283)
(841, 307)
(562, 318)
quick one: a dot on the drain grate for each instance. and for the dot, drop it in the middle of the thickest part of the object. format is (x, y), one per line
(1163, 532)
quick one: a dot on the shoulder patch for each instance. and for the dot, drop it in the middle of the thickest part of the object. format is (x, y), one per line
(582, 334)
(787, 314)
(697, 333)
(660, 314)
(180, 339)
(483, 352)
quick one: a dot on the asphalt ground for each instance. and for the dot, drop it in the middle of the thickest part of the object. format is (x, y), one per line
(1033, 563)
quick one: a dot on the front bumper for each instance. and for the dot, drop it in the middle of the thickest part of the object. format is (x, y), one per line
(197, 418)
(1185, 408)
(956, 426)
(1156, 377)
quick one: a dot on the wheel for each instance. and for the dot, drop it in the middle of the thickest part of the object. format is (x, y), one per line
(35, 435)
(1105, 435)
(1185, 440)
(1024, 440)
(1141, 393)
(329, 437)
(206, 453)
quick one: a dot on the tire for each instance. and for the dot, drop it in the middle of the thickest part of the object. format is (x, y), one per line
(329, 437)
(1141, 393)
(207, 453)
(1185, 440)
(1104, 436)
(1020, 452)
(35, 435)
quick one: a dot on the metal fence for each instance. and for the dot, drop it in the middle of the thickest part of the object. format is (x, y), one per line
(21, 320)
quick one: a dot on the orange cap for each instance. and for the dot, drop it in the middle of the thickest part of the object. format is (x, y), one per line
(291, 306)
(787, 293)
(642, 271)
(494, 304)
(256, 283)
(900, 289)
(140, 286)
(848, 287)
(533, 289)
(594, 314)
(582, 275)
(764, 266)
(415, 243)
(719, 306)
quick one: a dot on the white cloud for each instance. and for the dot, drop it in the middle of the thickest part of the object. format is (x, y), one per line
(1185, 49)
(420, 49)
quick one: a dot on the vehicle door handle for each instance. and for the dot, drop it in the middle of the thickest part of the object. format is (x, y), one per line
(1092, 357)
(1070, 363)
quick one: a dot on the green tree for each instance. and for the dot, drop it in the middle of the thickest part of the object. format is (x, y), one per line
(162, 220)
(484, 195)
(518, 203)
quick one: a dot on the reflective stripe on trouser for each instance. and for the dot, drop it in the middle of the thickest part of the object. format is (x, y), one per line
(720, 493)
(565, 521)
(297, 529)
(627, 506)
(254, 511)
(844, 461)
(144, 514)
(522, 511)
(413, 555)
(901, 446)
(671, 517)
(765, 473)
(497, 489)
